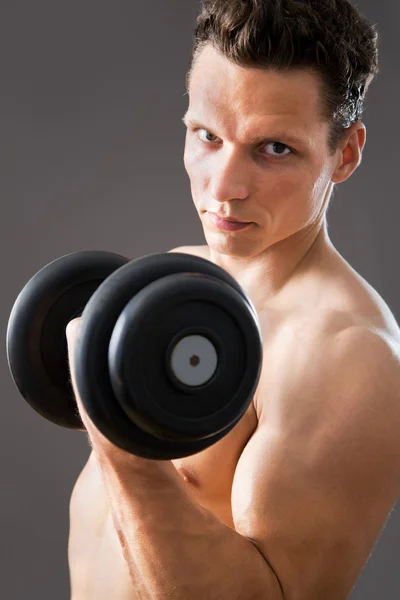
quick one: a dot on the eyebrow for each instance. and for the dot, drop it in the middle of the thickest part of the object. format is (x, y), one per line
(278, 135)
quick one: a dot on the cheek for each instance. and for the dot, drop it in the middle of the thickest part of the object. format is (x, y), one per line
(290, 198)
(284, 188)
(189, 157)
(193, 164)
(197, 170)
(197, 161)
(320, 186)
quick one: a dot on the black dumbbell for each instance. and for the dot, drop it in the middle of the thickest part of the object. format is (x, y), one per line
(168, 354)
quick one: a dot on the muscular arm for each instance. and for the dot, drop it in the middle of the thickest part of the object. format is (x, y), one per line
(312, 488)
(318, 479)
(176, 549)
(173, 547)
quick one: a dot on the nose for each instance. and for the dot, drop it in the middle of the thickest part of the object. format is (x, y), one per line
(231, 177)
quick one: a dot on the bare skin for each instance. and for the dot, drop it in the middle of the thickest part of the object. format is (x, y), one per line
(305, 294)
(98, 570)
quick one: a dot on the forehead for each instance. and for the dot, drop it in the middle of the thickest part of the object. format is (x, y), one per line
(223, 90)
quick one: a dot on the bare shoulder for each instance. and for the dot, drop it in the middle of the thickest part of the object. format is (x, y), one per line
(343, 375)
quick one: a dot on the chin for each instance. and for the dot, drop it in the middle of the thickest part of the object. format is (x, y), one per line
(231, 245)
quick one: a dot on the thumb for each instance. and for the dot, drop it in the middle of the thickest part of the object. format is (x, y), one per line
(72, 331)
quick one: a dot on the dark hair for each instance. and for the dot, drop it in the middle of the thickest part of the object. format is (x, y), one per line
(329, 37)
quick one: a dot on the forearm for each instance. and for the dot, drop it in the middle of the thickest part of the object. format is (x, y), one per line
(174, 547)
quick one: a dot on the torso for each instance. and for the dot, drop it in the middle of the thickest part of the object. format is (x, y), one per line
(97, 566)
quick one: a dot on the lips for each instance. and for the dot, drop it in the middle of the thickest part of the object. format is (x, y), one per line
(226, 224)
(229, 219)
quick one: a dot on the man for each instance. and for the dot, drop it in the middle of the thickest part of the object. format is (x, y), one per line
(290, 503)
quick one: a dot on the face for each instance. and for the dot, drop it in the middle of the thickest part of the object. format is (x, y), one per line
(255, 151)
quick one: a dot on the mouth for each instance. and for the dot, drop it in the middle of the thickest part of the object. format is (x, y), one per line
(227, 224)
(228, 219)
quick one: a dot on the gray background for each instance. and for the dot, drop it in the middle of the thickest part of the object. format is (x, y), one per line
(92, 94)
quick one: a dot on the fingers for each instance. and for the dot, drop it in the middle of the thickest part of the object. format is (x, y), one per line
(72, 335)
(72, 331)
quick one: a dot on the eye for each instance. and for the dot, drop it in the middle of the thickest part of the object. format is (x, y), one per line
(206, 136)
(279, 147)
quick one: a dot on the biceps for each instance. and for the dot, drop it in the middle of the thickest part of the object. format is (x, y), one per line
(313, 514)
(271, 494)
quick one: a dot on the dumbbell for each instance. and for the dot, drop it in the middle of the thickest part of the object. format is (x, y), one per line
(168, 355)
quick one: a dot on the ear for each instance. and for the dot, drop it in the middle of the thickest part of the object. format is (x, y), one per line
(350, 152)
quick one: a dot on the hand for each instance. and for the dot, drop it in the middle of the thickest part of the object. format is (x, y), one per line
(106, 453)
(98, 441)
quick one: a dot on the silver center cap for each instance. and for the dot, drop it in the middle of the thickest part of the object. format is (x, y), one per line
(194, 360)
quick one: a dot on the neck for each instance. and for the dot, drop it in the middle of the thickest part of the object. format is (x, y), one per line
(278, 269)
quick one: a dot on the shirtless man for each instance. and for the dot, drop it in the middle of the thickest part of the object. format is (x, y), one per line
(290, 503)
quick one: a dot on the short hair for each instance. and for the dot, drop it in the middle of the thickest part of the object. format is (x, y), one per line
(329, 37)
